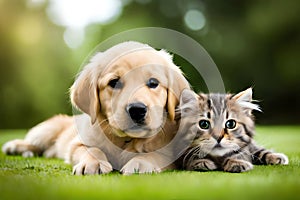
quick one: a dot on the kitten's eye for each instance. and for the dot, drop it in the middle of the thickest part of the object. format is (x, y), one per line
(204, 124)
(152, 83)
(230, 124)
(115, 83)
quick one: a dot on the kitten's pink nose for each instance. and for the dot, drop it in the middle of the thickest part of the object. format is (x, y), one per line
(219, 136)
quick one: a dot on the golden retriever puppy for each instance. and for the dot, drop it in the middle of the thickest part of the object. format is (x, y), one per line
(128, 94)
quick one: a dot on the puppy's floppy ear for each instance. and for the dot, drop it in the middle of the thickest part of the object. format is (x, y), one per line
(85, 93)
(176, 83)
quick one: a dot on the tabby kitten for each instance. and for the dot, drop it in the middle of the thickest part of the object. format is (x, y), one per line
(224, 136)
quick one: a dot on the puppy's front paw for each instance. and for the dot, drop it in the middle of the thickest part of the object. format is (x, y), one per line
(92, 166)
(139, 166)
(202, 165)
(277, 159)
(237, 166)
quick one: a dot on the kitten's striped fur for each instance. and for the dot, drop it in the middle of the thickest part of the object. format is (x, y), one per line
(224, 138)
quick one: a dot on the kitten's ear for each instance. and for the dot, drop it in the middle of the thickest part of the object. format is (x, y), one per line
(187, 96)
(244, 99)
(245, 95)
(188, 103)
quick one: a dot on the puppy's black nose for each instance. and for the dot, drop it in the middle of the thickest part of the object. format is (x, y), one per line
(137, 112)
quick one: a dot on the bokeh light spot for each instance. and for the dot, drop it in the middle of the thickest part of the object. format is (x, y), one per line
(194, 20)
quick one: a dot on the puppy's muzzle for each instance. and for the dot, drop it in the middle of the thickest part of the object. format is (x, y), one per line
(137, 112)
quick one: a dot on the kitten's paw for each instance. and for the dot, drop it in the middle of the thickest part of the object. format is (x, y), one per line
(89, 167)
(237, 166)
(202, 165)
(277, 159)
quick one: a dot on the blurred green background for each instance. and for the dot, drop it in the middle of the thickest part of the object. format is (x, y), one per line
(43, 44)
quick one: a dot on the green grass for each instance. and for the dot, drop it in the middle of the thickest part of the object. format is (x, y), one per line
(42, 178)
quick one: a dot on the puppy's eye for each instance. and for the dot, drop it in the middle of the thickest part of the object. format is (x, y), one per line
(204, 124)
(115, 83)
(230, 124)
(152, 83)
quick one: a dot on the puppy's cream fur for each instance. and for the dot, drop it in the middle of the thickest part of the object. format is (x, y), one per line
(104, 137)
